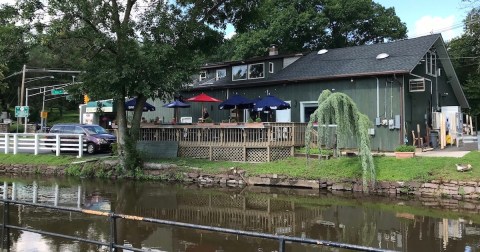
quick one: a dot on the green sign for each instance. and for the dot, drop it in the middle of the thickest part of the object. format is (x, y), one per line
(21, 111)
(58, 92)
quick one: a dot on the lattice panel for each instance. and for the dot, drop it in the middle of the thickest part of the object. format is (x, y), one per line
(279, 153)
(195, 152)
(228, 154)
(256, 155)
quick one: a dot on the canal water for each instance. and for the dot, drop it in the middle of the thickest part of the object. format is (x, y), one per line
(401, 224)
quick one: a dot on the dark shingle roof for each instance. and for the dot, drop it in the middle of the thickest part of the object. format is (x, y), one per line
(360, 60)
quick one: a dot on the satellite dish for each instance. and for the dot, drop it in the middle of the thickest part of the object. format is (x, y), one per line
(382, 56)
(322, 51)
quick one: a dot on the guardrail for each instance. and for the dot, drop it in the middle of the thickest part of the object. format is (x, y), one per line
(14, 142)
(112, 244)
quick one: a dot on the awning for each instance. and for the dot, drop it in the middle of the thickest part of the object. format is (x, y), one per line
(95, 106)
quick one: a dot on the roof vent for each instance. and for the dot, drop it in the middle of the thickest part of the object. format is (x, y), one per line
(322, 51)
(382, 56)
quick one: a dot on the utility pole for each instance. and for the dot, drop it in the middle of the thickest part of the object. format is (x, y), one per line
(23, 84)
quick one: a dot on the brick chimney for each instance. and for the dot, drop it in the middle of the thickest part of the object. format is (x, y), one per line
(272, 50)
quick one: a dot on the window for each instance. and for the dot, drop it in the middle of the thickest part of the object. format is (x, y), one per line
(417, 85)
(431, 63)
(239, 72)
(221, 73)
(203, 75)
(270, 67)
(255, 71)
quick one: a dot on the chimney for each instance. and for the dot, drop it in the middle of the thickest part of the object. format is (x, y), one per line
(273, 50)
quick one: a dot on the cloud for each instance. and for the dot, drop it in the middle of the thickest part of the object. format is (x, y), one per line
(428, 25)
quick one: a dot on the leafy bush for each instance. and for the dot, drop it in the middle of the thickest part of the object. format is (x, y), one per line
(250, 120)
(258, 119)
(208, 120)
(405, 148)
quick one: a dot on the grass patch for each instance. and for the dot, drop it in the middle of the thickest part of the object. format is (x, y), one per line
(23, 158)
(303, 150)
(387, 168)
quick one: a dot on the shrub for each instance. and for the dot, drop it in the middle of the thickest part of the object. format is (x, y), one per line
(208, 120)
(250, 120)
(258, 119)
(405, 148)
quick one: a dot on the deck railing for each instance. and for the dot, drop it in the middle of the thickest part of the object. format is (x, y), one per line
(241, 135)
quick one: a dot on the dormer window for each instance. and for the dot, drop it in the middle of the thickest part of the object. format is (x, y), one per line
(256, 71)
(221, 73)
(203, 75)
(270, 67)
(431, 63)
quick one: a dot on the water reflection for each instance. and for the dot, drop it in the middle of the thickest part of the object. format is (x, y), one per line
(382, 222)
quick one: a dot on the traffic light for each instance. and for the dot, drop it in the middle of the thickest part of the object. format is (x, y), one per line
(86, 99)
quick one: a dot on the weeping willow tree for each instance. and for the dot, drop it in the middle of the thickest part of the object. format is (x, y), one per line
(339, 109)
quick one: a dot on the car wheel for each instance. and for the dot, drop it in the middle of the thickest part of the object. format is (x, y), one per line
(90, 148)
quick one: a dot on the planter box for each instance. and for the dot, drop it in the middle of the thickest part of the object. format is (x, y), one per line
(228, 125)
(400, 155)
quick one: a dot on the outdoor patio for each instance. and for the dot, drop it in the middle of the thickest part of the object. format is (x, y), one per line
(248, 142)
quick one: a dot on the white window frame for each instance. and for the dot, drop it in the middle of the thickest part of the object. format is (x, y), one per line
(431, 63)
(233, 73)
(218, 70)
(263, 67)
(270, 67)
(203, 75)
(416, 85)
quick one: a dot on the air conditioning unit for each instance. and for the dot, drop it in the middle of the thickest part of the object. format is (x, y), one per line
(436, 120)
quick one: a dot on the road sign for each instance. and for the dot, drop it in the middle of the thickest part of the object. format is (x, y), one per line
(43, 114)
(21, 111)
(58, 91)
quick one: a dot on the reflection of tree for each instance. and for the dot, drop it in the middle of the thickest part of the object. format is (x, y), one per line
(369, 228)
(256, 71)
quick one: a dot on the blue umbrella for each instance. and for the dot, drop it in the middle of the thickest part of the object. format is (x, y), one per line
(130, 105)
(236, 101)
(177, 104)
(270, 102)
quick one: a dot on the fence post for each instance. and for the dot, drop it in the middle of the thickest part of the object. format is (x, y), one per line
(7, 142)
(113, 232)
(35, 145)
(80, 146)
(57, 145)
(15, 143)
(281, 247)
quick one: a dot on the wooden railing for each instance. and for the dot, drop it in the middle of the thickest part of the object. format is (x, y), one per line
(228, 135)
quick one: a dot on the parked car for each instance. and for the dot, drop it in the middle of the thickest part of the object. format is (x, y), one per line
(96, 137)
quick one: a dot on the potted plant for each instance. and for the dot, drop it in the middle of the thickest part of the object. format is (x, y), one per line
(250, 120)
(258, 120)
(405, 151)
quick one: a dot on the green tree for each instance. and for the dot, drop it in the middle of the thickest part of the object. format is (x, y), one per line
(302, 25)
(129, 49)
(465, 54)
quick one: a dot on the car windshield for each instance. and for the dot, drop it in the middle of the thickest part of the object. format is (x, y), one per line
(95, 130)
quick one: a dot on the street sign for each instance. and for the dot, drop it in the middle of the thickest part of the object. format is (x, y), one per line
(57, 91)
(43, 114)
(21, 111)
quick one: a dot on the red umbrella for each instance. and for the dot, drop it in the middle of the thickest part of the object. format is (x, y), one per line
(203, 98)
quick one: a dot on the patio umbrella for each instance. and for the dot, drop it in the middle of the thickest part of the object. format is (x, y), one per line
(269, 103)
(236, 102)
(130, 105)
(176, 104)
(203, 98)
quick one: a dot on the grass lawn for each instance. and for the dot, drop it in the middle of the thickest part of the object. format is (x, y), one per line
(387, 168)
(46, 159)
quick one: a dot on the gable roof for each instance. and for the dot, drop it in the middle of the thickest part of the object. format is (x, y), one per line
(360, 60)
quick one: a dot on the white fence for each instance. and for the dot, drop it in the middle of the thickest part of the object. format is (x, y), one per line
(15, 142)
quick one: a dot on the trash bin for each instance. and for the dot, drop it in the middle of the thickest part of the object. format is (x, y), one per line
(434, 139)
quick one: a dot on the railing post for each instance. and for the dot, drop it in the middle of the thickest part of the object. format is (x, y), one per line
(113, 232)
(35, 145)
(281, 247)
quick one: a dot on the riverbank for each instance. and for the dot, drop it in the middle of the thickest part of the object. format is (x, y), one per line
(421, 176)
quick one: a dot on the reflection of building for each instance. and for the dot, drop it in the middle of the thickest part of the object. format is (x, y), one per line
(97, 202)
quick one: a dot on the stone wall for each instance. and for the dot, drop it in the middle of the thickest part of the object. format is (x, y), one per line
(4, 127)
(18, 169)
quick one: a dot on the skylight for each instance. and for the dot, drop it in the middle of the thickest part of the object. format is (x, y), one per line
(382, 56)
(322, 51)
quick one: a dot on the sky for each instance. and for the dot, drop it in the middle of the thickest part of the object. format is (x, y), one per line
(423, 17)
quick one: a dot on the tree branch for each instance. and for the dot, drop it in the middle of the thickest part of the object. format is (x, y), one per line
(128, 11)
(211, 10)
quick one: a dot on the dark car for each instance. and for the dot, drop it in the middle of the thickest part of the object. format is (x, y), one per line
(96, 137)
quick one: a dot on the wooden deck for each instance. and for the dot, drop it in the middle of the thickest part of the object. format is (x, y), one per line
(250, 142)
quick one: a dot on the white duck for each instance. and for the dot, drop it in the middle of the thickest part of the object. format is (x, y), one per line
(463, 167)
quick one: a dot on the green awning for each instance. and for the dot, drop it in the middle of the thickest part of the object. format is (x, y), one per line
(95, 106)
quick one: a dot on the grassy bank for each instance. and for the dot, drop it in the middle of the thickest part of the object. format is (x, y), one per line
(387, 168)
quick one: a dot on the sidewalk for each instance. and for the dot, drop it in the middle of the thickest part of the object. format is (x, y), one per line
(450, 151)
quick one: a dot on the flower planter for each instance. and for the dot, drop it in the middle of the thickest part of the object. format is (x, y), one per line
(400, 155)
